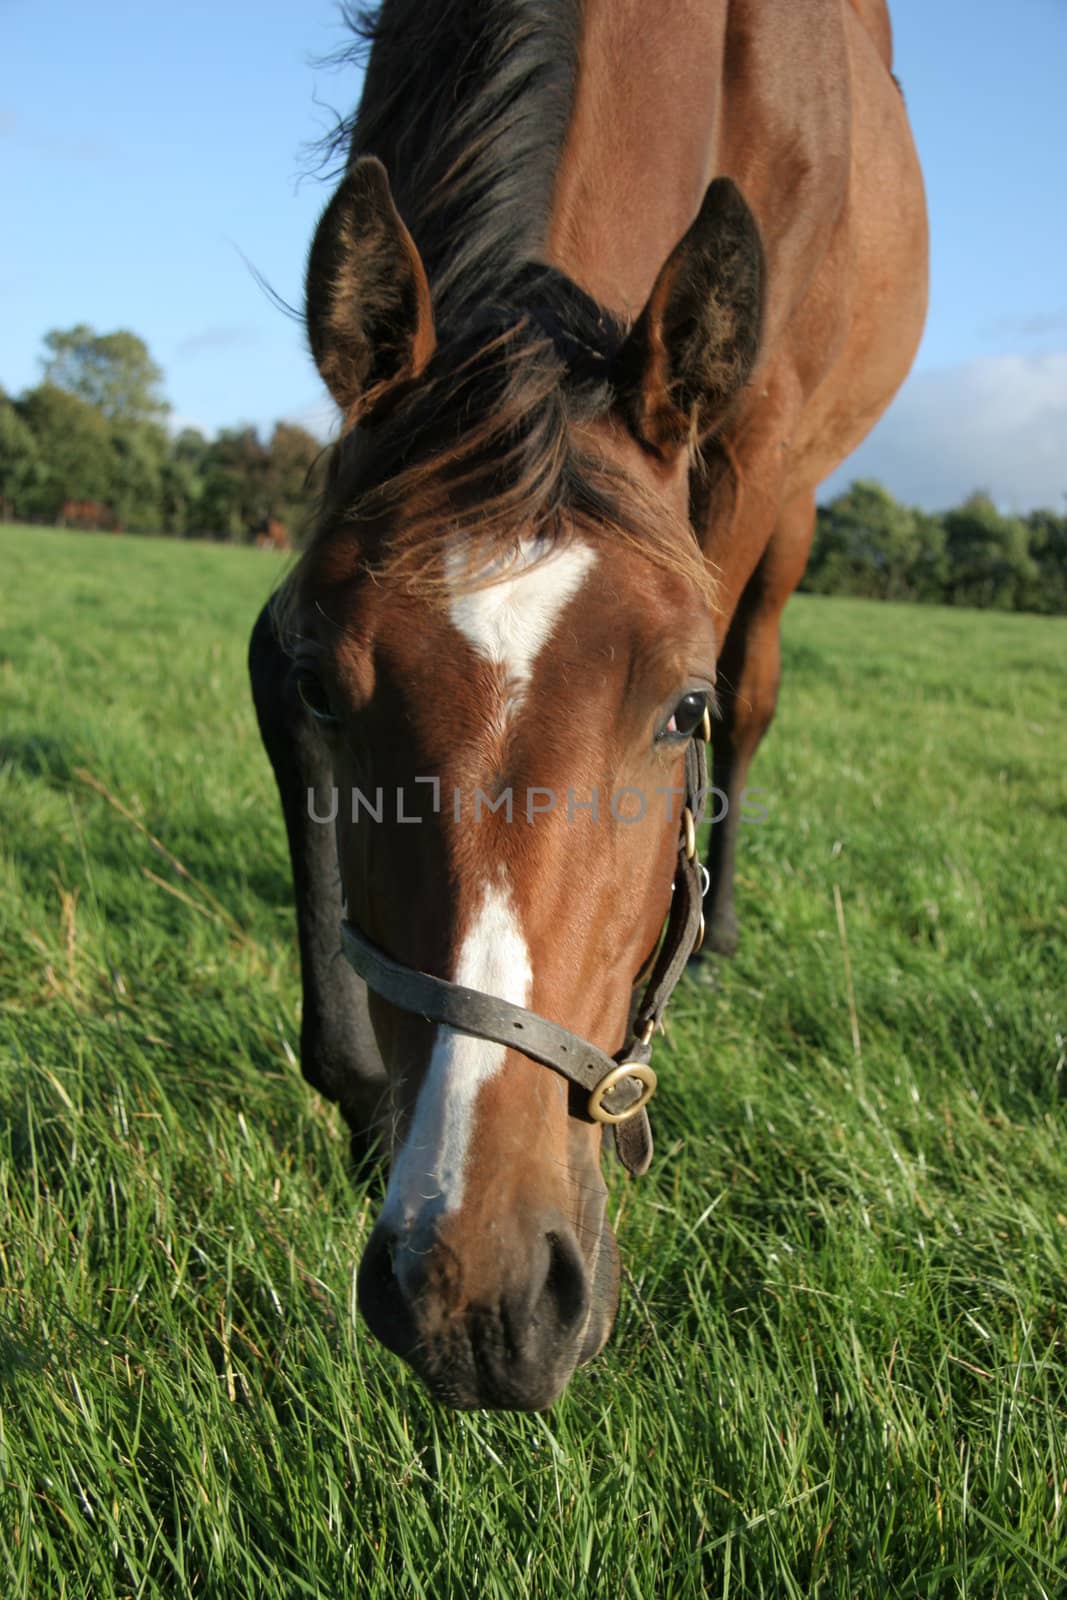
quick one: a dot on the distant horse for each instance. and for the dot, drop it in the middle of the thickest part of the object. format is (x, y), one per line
(89, 515)
(606, 290)
(270, 534)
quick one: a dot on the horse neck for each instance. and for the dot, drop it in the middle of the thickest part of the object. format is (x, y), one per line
(669, 97)
(639, 151)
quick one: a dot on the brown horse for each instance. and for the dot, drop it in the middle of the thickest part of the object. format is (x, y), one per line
(606, 290)
(269, 533)
(88, 514)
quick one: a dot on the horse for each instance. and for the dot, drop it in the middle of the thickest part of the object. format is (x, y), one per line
(604, 292)
(90, 515)
(270, 533)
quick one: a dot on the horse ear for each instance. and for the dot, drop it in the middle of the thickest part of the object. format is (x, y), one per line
(694, 345)
(368, 310)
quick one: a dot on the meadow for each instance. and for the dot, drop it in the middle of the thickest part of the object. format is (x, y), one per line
(840, 1366)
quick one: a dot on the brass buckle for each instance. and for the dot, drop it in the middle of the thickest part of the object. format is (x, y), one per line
(689, 827)
(705, 726)
(629, 1069)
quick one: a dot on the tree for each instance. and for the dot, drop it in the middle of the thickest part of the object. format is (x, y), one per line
(868, 544)
(929, 569)
(183, 482)
(293, 455)
(74, 444)
(236, 495)
(21, 467)
(138, 457)
(231, 486)
(111, 371)
(988, 556)
(1047, 532)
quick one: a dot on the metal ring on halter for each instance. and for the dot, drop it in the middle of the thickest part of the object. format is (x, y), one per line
(705, 881)
(629, 1069)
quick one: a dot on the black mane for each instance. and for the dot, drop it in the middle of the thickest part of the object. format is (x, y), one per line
(467, 103)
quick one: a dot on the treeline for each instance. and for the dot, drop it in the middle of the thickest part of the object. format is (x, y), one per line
(89, 447)
(868, 544)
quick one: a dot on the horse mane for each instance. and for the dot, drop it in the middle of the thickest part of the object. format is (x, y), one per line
(491, 446)
(467, 103)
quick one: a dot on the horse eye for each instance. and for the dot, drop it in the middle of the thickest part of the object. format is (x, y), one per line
(686, 717)
(314, 697)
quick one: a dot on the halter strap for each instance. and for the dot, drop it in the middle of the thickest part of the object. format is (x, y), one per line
(616, 1096)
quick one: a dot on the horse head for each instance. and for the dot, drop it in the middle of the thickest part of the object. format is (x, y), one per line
(501, 634)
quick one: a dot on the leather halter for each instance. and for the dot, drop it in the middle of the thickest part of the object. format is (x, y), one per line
(618, 1087)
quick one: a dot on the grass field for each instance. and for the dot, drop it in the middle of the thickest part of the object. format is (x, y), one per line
(840, 1364)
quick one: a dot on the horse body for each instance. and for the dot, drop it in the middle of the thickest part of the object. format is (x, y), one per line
(89, 514)
(270, 533)
(562, 346)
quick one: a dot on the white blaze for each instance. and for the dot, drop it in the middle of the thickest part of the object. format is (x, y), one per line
(509, 622)
(431, 1167)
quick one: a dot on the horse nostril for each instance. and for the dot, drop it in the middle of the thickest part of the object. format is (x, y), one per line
(381, 1298)
(565, 1295)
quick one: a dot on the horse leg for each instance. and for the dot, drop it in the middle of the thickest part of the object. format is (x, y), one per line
(749, 665)
(338, 1052)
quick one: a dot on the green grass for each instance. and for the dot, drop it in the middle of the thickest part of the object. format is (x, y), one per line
(839, 1367)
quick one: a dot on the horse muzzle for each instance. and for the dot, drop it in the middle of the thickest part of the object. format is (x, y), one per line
(503, 1330)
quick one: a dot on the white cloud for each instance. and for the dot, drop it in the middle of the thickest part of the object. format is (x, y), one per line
(998, 423)
(218, 340)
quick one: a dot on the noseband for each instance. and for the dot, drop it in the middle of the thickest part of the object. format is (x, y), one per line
(618, 1087)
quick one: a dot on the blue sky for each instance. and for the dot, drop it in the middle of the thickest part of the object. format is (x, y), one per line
(144, 148)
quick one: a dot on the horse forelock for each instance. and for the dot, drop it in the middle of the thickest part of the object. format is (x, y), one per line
(492, 449)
